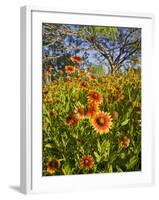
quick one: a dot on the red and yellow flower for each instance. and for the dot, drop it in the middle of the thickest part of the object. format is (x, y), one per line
(94, 97)
(79, 113)
(90, 110)
(80, 72)
(83, 85)
(102, 122)
(50, 68)
(69, 69)
(124, 142)
(91, 77)
(53, 166)
(68, 79)
(86, 162)
(76, 59)
(45, 90)
(46, 74)
(72, 120)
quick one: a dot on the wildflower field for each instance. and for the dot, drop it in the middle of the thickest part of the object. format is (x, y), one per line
(91, 118)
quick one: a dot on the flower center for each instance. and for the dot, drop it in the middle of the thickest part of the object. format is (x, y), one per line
(86, 162)
(101, 120)
(95, 95)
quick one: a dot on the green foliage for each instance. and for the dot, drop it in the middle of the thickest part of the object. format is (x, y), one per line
(108, 32)
(68, 143)
(97, 70)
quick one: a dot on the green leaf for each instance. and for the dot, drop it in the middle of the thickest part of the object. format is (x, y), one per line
(67, 107)
(125, 122)
(132, 162)
(106, 147)
(81, 149)
(74, 135)
(118, 169)
(122, 155)
(48, 146)
(99, 146)
(66, 170)
(97, 156)
(47, 120)
(45, 111)
(109, 32)
(110, 168)
(64, 142)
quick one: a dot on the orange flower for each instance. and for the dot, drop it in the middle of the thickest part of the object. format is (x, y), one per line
(83, 85)
(76, 59)
(80, 73)
(45, 90)
(91, 77)
(94, 97)
(79, 113)
(71, 120)
(90, 110)
(53, 165)
(101, 122)
(68, 79)
(48, 100)
(50, 68)
(69, 69)
(46, 74)
(86, 162)
(125, 141)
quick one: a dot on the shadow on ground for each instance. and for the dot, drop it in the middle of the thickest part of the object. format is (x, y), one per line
(15, 188)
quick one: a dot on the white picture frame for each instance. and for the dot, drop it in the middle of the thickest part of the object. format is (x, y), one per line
(31, 124)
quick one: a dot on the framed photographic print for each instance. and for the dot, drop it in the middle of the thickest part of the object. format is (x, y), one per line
(86, 103)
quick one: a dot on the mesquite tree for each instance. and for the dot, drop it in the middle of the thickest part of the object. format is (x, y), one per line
(115, 48)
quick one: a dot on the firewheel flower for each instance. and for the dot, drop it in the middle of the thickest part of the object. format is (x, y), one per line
(91, 77)
(46, 74)
(94, 97)
(124, 142)
(68, 79)
(102, 122)
(80, 73)
(83, 85)
(72, 120)
(53, 166)
(86, 162)
(76, 59)
(69, 69)
(90, 110)
(79, 113)
(50, 68)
